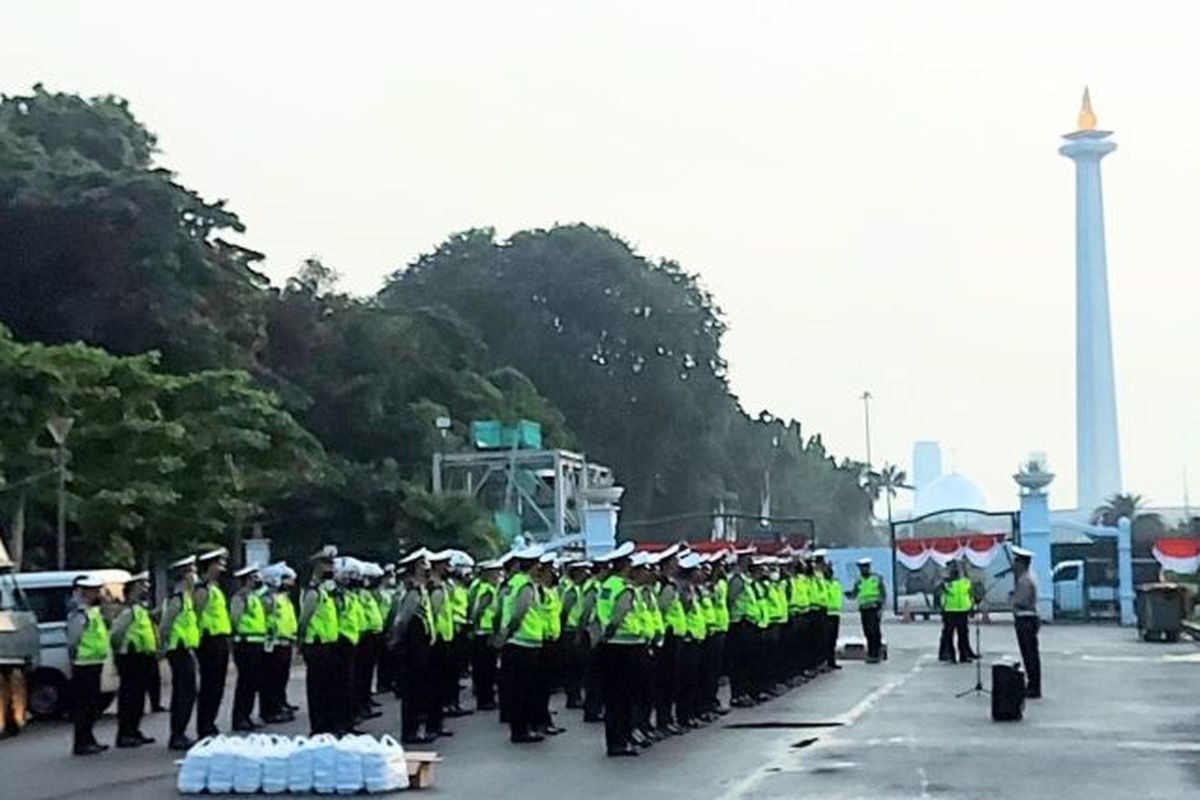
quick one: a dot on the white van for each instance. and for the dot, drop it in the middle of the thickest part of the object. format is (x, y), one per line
(50, 595)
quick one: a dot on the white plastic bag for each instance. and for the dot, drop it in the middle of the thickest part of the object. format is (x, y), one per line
(324, 753)
(193, 773)
(384, 768)
(276, 760)
(349, 767)
(300, 766)
(248, 755)
(220, 766)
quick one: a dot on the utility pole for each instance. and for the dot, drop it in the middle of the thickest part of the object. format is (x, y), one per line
(60, 429)
(866, 398)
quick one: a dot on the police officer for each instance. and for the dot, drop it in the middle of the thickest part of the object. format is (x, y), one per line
(385, 595)
(484, 612)
(670, 606)
(135, 643)
(212, 654)
(88, 647)
(1027, 621)
(833, 616)
(522, 627)
(741, 624)
(350, 623)
(957, 603)
(282, 629)
(179, 636)
(871, 594)
(620, 636)
(574, 649)
(248, 615)
(369, 640)
(411, 640)
(318, 632)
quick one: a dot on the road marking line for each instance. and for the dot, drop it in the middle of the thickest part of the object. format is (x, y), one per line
(783, 753)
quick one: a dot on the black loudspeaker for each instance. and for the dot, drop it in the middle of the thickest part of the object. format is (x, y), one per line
(1008, 692)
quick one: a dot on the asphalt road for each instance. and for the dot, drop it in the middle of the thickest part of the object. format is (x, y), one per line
(1120, 719)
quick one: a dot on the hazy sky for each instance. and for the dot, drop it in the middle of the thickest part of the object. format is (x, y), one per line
(871, 190)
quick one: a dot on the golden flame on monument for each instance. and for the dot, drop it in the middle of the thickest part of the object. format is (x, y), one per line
(1087, 117)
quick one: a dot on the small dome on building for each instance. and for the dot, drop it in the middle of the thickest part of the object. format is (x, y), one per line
(949, 491)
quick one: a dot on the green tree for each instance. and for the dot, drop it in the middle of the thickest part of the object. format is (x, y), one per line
(101, 245)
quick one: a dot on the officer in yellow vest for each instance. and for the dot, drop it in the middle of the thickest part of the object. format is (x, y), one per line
(282, 629)
(741, 628)
(212, 655)
(350, 627)
(589, 639)
(484, 611)
(135, 644)
(367, 655)
(385, 594)
(248, 614)
(318, 633)
(957, 604)
(550, 662)
(688, 709)
(670, 604)
(574, 636)
(522, 626)
(718, 629)
(88, 647)
(871, 594)
(178, 638)
(411, 639)
(620, 636)
(833, 616)
(653, 627)
(458, 574)
(441, 660)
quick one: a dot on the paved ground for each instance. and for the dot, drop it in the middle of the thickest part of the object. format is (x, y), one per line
(1120, 719)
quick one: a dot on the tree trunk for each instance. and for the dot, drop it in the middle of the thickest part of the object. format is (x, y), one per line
(18, 532)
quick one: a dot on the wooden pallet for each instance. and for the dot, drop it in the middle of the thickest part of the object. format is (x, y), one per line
(420, 768)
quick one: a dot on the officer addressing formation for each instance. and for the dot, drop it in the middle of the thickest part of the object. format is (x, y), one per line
(637, 640)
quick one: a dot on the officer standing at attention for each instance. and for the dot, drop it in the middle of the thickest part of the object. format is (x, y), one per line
(318, 633)
(871, 594)
(833, 615)
(212, 612)
(88, 647)
(620, 638)
(411, 641)
(956, 608)
(282, 628)
(179, 636)
(248, 613)
(135, 643)
(1027, 621)
(484, 611)
(522, 626)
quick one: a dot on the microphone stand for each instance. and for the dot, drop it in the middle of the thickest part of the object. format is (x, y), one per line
(977, 689)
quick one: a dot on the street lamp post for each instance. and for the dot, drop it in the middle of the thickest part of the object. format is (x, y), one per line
(866, 398)
(59, 429)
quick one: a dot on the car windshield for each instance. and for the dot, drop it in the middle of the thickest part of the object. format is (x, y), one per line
(11, 597)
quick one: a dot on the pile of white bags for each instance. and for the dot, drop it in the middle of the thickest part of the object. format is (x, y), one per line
(276, 764)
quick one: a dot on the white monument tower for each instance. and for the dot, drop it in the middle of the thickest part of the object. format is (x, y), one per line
(1097, 453)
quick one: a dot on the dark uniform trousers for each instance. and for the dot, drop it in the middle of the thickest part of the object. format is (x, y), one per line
(520, 669)
(1027, 639)
(616, 666)
(213, 658)
(321, 686)
(277, 667)
(816, 637)
(248, 657)
(575, 667)
(136, 671)
(182, 662)
(644, 687)
(833, 624)
(871, 630)
(483, 671)
(365, 659)
(345, 652)
(740, 658)
(445, 676)
(954, 624)
(85, 693)
(593, 682)
(710, 659)
(687, 681)
(666, 666)
(414, 684)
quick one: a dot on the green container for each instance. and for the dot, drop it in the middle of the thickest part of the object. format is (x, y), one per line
(487, 434)
(508, 523)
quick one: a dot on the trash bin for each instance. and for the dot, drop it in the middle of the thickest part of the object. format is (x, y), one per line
(1160, 611)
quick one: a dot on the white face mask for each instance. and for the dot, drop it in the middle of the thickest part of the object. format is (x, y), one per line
(774, 574)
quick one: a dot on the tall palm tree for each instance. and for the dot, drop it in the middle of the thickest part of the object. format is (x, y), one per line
(1118, 506)
(886, 482)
